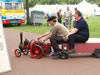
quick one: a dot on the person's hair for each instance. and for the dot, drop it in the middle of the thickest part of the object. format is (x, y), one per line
(79, 13)
(59, 9)
(75, 9)
(54, 20)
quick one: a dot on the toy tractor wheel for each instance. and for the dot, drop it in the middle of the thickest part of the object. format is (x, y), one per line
(17, 53)
(47, 52)
(64, 55)
(25, 52)
(37, 52)
(97, 53)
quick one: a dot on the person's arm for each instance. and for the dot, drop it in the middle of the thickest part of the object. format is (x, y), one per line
(48, 36)
(45, 34)
(73, 31)
(64, 16)
(76, 28)
(57, 14)
(71, 15)
(61, 15)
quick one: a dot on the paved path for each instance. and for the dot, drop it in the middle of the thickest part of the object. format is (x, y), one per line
(47, 66)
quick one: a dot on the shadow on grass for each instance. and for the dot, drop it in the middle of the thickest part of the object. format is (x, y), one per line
(14, 25)
(23, 25)
(10, 25)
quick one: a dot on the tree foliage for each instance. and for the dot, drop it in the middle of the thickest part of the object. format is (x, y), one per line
(32, 3)
(50, 2)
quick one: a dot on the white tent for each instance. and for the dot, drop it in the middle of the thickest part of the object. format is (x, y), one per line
(86, 8)
(52, 9)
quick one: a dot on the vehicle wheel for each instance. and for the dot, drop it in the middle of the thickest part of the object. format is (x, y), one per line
(17, 53)
(93, 54)
(25, 52)
(37, 52)
(64, 55)
(97, 53)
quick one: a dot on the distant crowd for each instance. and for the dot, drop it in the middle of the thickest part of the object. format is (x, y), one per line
(66, 19)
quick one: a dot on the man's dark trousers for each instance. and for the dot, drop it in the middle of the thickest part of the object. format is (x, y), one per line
(60, 20)
(75, 38)
(55, 40)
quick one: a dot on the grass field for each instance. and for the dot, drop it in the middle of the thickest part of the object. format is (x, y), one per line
(94, 26)
(93, 22)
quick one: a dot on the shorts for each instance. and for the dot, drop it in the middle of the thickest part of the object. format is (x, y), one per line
(68, 22)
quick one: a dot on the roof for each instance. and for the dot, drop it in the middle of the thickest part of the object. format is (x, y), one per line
(84, 3)
(85, 6)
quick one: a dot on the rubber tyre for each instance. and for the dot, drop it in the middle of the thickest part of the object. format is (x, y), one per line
(17, 53)
(37, 52)
(64, 55)
(97, 53)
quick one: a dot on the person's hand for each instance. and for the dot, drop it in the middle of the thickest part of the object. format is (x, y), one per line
(67, 37)
(38, 38)
(41, 41)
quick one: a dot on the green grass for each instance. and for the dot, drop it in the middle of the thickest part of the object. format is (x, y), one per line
(94, 26)
(93, 22)
(34, 29)
(31, 28)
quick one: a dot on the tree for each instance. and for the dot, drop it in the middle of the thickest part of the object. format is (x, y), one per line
(34, 2)
(27, 9)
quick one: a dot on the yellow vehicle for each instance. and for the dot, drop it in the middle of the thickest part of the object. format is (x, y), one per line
(12, 11)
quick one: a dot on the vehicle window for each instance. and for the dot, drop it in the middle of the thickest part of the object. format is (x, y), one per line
(18, 6)
(8, 6)
(0, 6)
(13, 6)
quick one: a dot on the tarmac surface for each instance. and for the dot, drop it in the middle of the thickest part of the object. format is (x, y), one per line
(26, 65)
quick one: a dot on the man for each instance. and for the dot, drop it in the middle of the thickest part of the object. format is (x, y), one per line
(68, 18)
(56, 35)
(74, 20)
(80, 32)
(59, 16)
